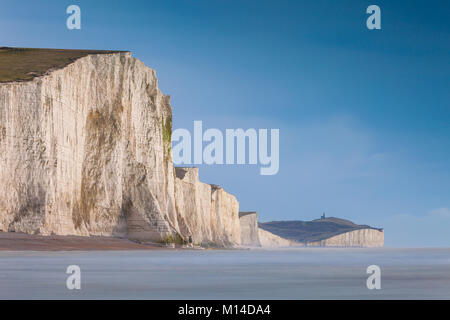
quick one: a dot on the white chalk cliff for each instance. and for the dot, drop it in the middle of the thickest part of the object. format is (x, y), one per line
(208, 214)
(253, 236)
(249, 229)
(86, 150)
(270, 240)
(368, 238)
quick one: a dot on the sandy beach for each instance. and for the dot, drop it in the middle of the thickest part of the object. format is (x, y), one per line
(11, 241)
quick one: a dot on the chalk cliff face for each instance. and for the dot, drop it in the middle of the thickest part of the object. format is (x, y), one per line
(358, 238)
(86, 150)
(226, 209)
(207, 214)
(249, 229)
(269, 240)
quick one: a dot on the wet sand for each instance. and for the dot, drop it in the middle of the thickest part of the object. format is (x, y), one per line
(11, 241)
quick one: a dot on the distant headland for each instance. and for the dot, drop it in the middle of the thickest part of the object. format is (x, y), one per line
(325, 231)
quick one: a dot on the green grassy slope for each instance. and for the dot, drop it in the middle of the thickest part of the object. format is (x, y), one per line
(22, 64)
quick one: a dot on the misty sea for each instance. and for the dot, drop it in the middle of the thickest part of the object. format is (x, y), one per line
(297, 273)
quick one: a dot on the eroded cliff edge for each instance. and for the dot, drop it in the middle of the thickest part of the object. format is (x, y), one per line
(86, 150)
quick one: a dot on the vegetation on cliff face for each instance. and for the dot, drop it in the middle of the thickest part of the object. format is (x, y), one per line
(167, 136)
(167, 130)
(23, 64)
(176, 239)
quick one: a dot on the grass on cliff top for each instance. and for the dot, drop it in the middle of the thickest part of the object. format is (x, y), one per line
(22, 64)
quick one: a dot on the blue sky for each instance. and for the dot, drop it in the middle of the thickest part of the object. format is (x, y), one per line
(364, 116)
